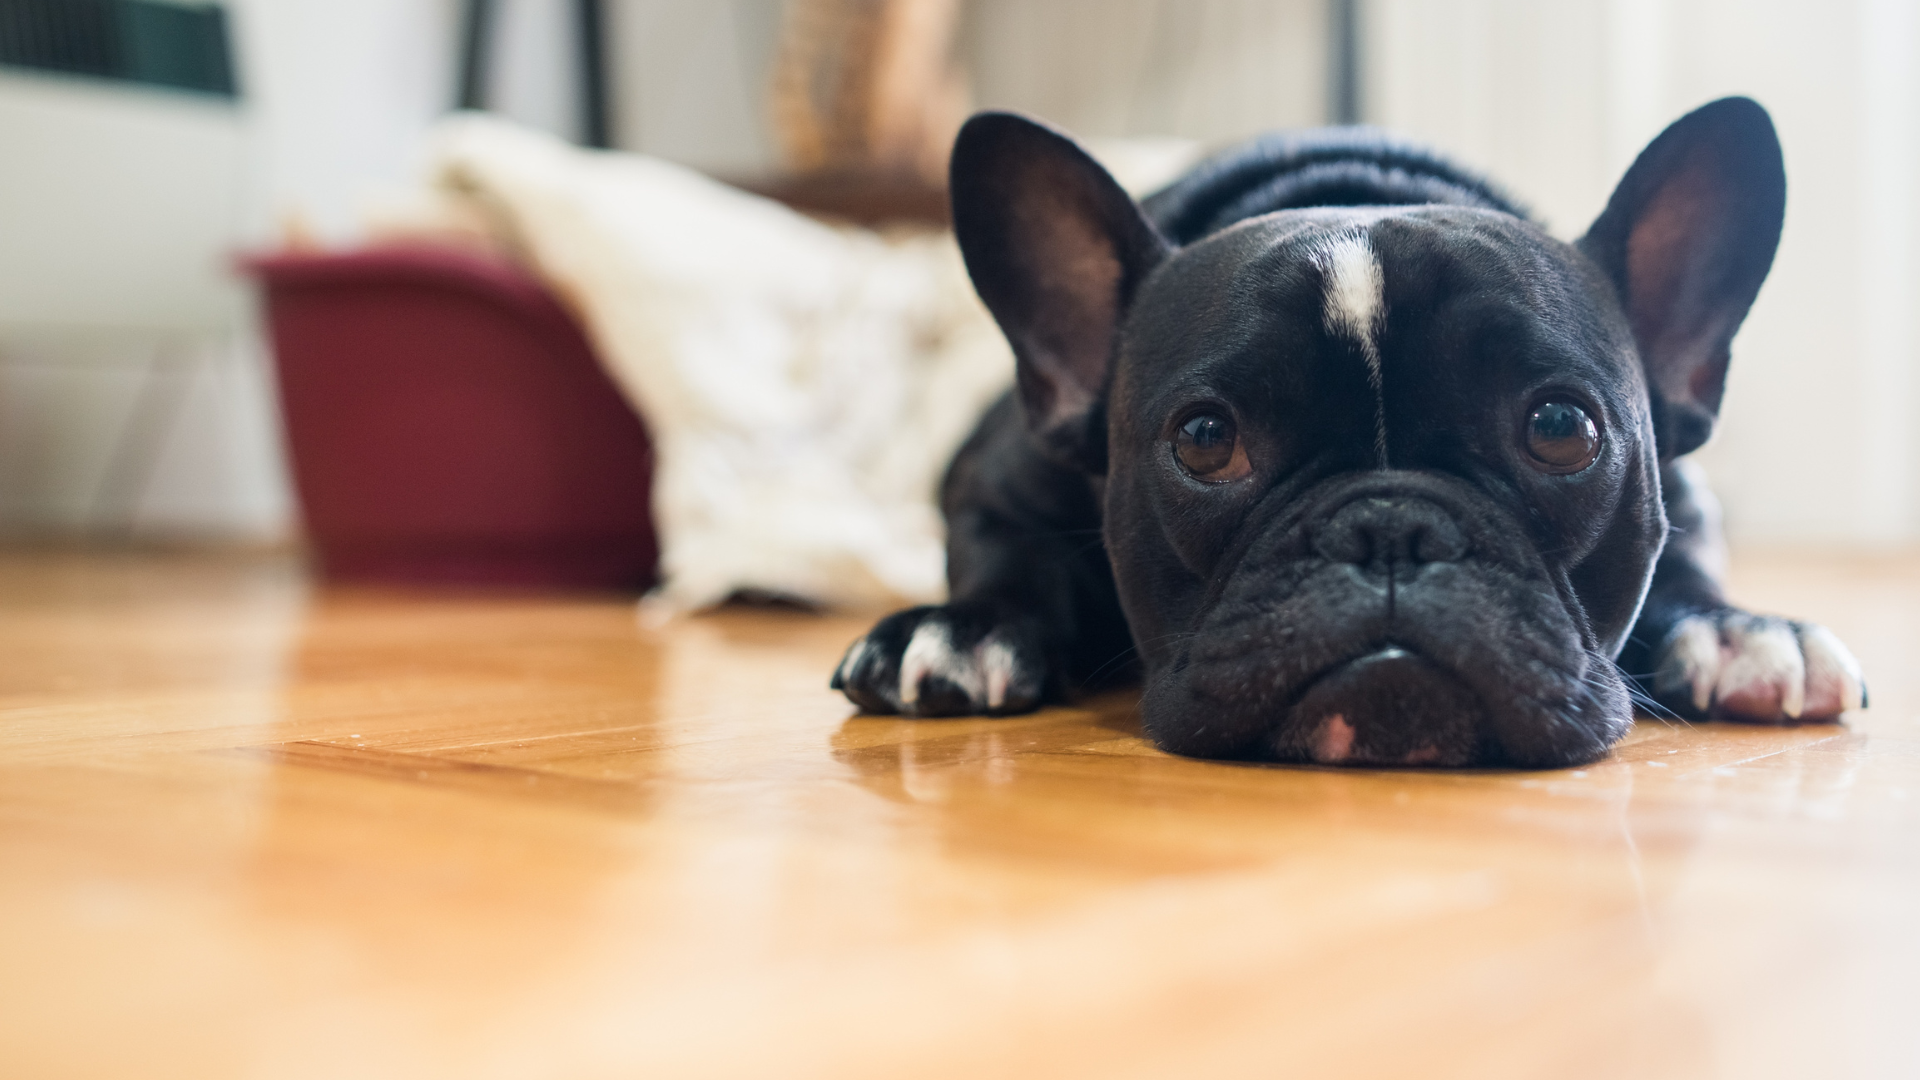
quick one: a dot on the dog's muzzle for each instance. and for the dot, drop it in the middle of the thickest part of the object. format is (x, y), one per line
(1403, 623)
(1389, 706)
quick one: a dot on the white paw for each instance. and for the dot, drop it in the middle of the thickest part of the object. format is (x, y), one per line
(982, 673)
(942, 662)
(1758, 668)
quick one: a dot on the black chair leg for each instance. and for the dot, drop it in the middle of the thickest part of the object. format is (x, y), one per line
(595, 124)
(476, 44)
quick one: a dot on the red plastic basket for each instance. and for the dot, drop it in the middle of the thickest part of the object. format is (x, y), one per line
(448, 423)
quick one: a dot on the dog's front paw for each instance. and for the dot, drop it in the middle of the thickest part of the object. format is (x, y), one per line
(1732, 665)
(945, 661)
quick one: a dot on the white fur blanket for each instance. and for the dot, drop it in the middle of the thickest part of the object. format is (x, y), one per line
(804, 384)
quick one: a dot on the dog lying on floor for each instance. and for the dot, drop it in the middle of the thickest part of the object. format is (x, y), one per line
(1349, 459)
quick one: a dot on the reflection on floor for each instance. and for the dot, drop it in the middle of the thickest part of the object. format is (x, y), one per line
(249, 828)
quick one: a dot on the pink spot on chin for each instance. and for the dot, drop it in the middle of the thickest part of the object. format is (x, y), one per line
(1334, 741)
(1424, 755)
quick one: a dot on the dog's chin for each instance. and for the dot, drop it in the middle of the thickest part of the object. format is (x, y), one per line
(1388, 707)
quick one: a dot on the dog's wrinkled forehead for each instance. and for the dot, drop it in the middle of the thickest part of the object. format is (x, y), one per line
(1384, 307)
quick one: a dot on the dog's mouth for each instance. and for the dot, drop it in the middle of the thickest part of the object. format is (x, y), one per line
(1398, 620)
(1391, 706)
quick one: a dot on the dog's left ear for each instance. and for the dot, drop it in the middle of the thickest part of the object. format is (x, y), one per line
(1055, 248)
(1687, 238)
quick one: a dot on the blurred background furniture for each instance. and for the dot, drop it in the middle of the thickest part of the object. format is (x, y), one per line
(445, 418)
(448, 423)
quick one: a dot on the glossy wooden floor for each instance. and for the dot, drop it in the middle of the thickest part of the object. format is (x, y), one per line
(252, 830)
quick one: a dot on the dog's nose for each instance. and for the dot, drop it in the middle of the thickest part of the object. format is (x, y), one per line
(1381, 534)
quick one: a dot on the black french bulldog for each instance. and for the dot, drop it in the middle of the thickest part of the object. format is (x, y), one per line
(1353, 461)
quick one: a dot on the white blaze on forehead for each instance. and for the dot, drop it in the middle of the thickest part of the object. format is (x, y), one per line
(1350, 273)
(1355, 308)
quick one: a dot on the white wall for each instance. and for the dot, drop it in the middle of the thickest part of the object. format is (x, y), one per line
(337, 94)
(1817, 445)
(1213, 70)
(690, 81)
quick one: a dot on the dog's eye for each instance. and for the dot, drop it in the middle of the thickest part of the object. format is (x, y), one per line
(1208, 447)
(1562, 438)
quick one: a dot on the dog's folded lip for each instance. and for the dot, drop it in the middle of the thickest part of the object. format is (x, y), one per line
(1386, 650)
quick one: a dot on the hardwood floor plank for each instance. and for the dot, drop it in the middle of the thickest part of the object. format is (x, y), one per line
(248, 828)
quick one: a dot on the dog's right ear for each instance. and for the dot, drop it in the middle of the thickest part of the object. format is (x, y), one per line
(1055, 248)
